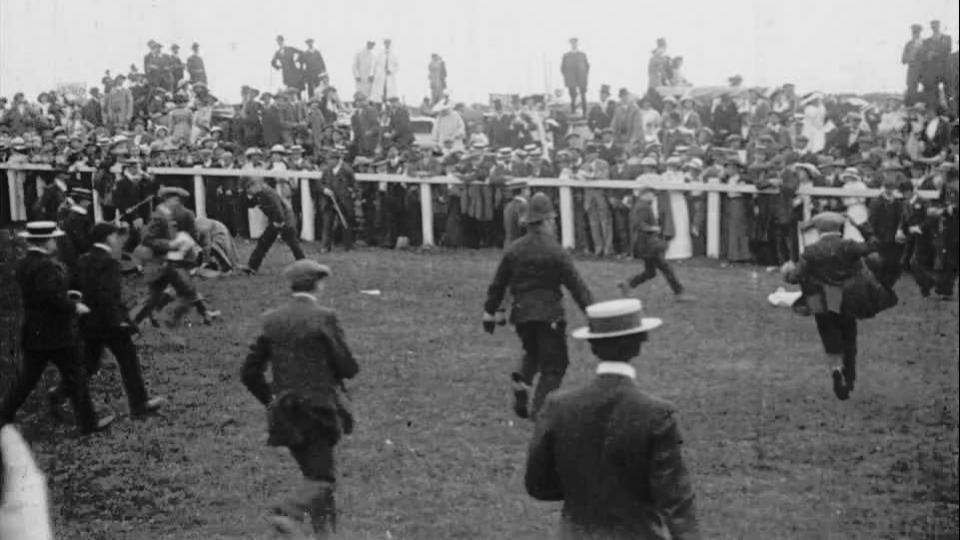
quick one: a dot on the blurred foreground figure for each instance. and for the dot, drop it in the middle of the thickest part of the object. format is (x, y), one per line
(24, 509)
(307, 405)
(610, 451)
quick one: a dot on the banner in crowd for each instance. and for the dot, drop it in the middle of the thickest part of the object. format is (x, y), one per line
(72, 90)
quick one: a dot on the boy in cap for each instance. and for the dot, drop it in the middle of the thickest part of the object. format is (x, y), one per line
(108, 325)
(837, 291)
(650, 245)
(533, 269)
(50, 314)
(589, 440)
(304, 346)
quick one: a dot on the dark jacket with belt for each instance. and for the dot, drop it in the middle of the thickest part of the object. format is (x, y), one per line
(612, 454)
(534, 268)
(99, 281)
(304, 346)
(648, 235)
(49, 316)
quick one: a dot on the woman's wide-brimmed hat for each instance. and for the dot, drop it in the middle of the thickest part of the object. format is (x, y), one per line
(41, 230)
(616, 318)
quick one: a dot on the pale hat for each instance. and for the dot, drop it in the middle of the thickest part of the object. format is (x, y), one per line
(252, 151)
(695, 163)
(278, 149)
(41, 230)
(616, 318)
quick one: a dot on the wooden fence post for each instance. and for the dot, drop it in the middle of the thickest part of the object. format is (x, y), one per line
(199, 196)
(307, 228)
(426, 213)
(568, 236)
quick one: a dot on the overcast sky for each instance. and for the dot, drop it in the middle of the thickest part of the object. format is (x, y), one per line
(499, 46)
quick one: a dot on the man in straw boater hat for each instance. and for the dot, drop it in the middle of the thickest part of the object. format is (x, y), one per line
(533, 269)
(307, 408)
(50, 331)
(587, 441)
(108, 325)
(838, 288)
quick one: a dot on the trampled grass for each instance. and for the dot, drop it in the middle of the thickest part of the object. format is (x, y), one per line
(438, 454)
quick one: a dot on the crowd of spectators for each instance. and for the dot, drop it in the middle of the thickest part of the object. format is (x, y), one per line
(772, 138)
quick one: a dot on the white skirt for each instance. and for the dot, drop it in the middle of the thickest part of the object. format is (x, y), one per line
(680, 246)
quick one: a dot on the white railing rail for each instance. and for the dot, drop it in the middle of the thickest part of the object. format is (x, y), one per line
(713, 190)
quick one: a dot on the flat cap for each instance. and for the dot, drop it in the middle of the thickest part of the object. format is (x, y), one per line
(172, 191)
(827, 222)
(305, 272)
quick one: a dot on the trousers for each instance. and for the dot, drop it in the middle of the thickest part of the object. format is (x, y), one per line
(838, 333)
(266, 240)
(650, 267)
(544, 353)
(74, 383)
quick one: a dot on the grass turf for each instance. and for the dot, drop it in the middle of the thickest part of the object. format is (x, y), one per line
(438, 454)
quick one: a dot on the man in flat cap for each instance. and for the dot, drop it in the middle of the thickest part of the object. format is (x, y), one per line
(838, 288)
(307, 408)
(287, 60)
(912, 58)
(195, 67)
(281, 221)
(610, 451)
(533, 269)
(313, 67)
(575, 69)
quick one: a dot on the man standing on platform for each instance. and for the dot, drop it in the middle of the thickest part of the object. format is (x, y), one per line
(385, 75)
(363, 69)
(533, 269)
(589, 441)
(313, 67)
(195, 67)
(286, 59)
(307, 408)
(50, 330)
(575, 69)
(913, 59)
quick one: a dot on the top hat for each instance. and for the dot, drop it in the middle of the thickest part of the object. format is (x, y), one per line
(41, 230)
(616, 318)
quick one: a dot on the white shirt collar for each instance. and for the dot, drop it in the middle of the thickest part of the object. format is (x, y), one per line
(38, 249)
(78, 209)
(616, 368)
(305, 295)
(103, 246)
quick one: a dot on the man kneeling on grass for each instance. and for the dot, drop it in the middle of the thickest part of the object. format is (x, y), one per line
(610, 451)
(306, 402)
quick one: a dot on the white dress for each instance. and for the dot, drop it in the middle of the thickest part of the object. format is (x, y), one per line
(857, 211)
(256, 218)
(814, 127)
(681, 245)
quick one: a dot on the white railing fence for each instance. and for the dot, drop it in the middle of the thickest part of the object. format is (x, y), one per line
(566, 187)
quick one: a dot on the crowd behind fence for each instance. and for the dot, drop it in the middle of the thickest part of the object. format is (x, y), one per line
(565, 188)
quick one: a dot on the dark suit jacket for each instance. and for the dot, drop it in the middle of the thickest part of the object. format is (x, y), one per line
(534, 268)
(99, 281)
(512, 228)
(885, 218)
(274, 207)
(49, 317)
(611, 453)
(305, 347)
(648, 239)
(312, 64)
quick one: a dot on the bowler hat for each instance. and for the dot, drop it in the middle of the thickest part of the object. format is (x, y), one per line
(101, 230)
(616, 318)
(540, 208)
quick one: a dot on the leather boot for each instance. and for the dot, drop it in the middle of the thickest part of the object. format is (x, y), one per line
(323, 511)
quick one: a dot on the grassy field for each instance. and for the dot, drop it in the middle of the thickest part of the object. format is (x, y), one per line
(438, 455)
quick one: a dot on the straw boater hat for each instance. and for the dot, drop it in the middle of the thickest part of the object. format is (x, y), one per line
(172, 191)
(41, 230)
(278, 149)
(616, 318)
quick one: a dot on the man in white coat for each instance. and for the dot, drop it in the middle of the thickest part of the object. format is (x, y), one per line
(385, 75)
(363, 69)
